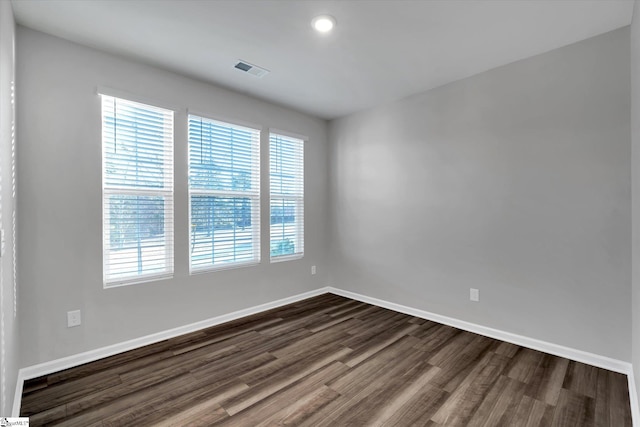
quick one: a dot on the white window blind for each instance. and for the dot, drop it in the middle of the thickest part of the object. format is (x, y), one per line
(286, 177)
(224, 194)
(137, 200)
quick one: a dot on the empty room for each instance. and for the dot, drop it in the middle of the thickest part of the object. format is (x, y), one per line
(319, 213)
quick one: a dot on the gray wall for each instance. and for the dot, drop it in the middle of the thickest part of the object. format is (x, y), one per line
(515, 181)
(8, 309)
(59, 170)
(635, 186)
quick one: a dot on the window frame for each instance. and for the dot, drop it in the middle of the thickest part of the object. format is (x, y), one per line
(167, 193)
(298, 200)
(254, 195)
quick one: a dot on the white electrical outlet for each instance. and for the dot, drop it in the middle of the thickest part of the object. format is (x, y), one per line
(474, 294)
(313, 269)
(73, 318)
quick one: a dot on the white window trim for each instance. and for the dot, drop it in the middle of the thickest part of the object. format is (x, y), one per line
(140, 99)
(230, 266)
(282, 258)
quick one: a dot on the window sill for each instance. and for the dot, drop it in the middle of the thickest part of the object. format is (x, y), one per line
(223, 267)
(136, 281)
(286, 258)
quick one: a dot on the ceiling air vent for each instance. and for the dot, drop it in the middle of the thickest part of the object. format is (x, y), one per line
(254, 70)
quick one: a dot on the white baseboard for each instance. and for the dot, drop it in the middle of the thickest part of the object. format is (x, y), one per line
(50, 367)
(547, 347)
(17, 397)
(558, 350)
(633, 398)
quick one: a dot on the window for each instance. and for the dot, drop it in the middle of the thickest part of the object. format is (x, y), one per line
(224, 194)
(137, 191)
(286, 177)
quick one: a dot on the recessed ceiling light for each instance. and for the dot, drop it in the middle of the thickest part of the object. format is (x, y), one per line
(323, 23)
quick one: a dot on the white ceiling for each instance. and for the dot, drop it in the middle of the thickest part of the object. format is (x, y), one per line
(381, 50)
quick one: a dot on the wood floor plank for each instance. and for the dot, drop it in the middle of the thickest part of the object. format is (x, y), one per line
(251, 349)
(548, 379)
(618, 399)
(460, 348)
(384, 413)
(298, 322)
(439, 337)
(226, 369)
(371, 329)
(573, 409)
(581, 378)
(448, 354)
(285, 378)
(359, 396)
(503, 397)
(203, 414)
(49, 416)
(171, 402)
(347, 322)
(525, 364)
(362, 409)
(425, 329)
(182, 363)
(453, 375)
(461, 405)
(282, 366)
(363, 354)
(419, 408)
(318, 340)
(117, 406)
(529, 413)
(374, 368)
(61, 393)
(34, 385)
(350, 310)
(131, 385)
(330, 361)
(303, 408)
(269, 410)
(119, 360)
(507, 349)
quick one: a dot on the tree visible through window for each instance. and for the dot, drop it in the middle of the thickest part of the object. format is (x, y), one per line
(137, 166)
(286, 177)
(224, 189)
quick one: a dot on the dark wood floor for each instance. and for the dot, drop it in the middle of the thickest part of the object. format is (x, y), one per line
(330, 361)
